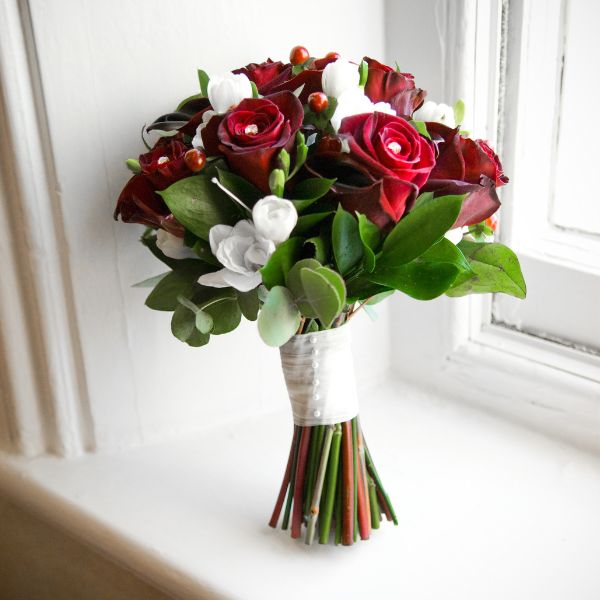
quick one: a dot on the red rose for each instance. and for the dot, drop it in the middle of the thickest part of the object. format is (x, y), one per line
(165, 163)
(253, 133)
(387, 163)
(466, 166)
(384, 84)
(266, 74)
(139, 203)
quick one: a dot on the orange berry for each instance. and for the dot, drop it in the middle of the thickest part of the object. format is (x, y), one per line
(318, 102)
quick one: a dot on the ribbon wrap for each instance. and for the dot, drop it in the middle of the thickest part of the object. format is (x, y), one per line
(319, 374)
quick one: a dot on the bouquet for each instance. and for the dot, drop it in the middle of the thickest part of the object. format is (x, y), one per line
(296, 195)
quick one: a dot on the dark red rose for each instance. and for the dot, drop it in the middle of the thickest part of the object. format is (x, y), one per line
(253, 133)
(384, 84)
(387, 163)
(165, 163)
(139, 203)
(465, 166)
(265, 74)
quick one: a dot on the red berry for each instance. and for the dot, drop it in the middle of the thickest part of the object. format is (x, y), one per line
(318, 102)
(332, 56)
(195, 160)
(299, 55)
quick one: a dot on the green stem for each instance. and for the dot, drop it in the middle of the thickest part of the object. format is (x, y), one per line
(338, 506)
(318, 488)
(377, 479)
(355, 475)
(312, 465)
(330, 491)
(375, 517)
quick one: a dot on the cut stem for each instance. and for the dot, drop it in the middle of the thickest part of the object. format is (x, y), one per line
(285, 483)
(330, 491)
(297, 512)
(318, 488)
(347, 485)
(288, 504)
(375, 517)
(380, 488)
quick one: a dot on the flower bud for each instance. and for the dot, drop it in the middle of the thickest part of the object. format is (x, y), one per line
(338, 77)
(432, 112)
(274, 218)
(172, 246)
(228, 91)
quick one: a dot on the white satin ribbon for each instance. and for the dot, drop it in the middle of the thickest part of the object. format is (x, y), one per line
(319, 374)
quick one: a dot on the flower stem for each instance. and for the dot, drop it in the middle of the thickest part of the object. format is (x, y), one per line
(285, 483)
(330, 491)
(313, 457)
(380, 488)
(318, 488)
(297, 512)
(364, 517)
(288, 504)
(338, 508)
(355, 474)
(347, 485)
(375, 517)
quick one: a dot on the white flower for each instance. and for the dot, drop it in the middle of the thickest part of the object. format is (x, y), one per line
(355, 102)
(274, 218)
(338, 77)
(436, 113)
(456, 235)
(172, 246)
(242, 252)
(227, 91)
(207, 115)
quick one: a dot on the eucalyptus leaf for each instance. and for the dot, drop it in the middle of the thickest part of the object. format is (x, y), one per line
(322, 295)
(279, 318)
(204, 322)
(151, 281)
(183, 323)
(294, 283)
(180, 282)
(198, 339)
(198, 204)
(224, 310)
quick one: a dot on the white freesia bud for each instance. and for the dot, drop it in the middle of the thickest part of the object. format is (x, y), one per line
(172, 246)
(242, 252)
(435, 113)
(230, 90)
(197, 142)
(338, 77)
(274, 218)
(355, 102)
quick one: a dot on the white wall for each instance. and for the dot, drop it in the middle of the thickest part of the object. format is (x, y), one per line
(107, 68)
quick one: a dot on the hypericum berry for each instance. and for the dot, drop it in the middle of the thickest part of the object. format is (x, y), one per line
(492, 222)
(195, 160)
(332, 56)
(299, 55)
(318, 102)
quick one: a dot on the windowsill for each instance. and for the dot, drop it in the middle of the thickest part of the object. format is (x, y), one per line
(487, 509)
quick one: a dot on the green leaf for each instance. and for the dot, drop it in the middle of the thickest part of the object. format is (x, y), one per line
(204, 322)
(422, 198)
(249, 304)
(133, 165)
(151, 281)
(312, 327)
(421, 127)
(279, 318)
(294, 283)
(495, 268)
(446, 251)
(420, 229)
(180, 282)
(309, 191)
(322, 295)
(459, 111)
(336, 280)
(198, 204)
(307, 222)
(281, 261)
(320, 248)
(361, 288)
(188, 99)
(419, 278)
(255, 93)
(183, 323)
(301, 153)
(370, 236)
(240, 187)
(202, 249)
(377, 298)
(363, 71)
(224, 311)
(198, 339)
(346, 241)
(203, 79)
